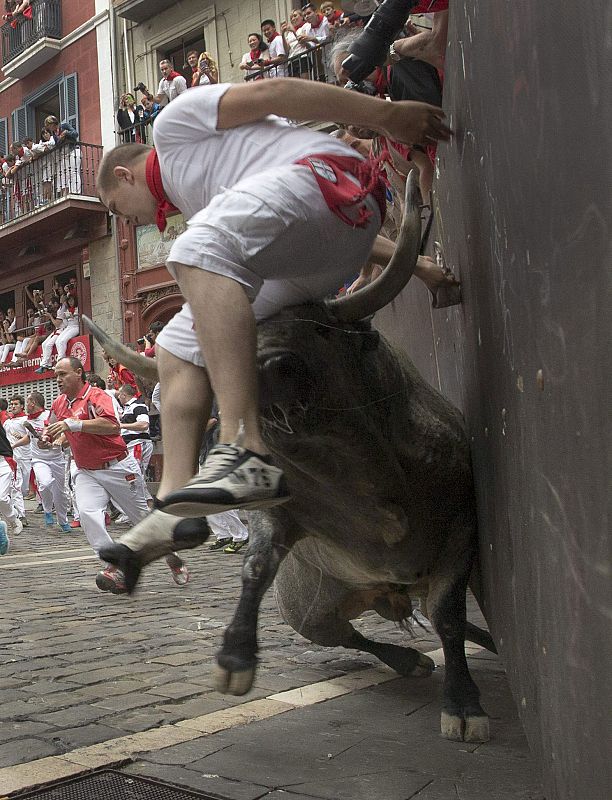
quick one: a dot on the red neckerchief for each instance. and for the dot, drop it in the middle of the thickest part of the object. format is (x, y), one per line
(273, 37)
(172, 75)
(16, 416)
(36, 414)
(320, 19)
(156, 187)
(340, 192)
(255, 54)
(335, 16)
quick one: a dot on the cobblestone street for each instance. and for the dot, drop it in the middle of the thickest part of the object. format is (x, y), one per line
(89, 679)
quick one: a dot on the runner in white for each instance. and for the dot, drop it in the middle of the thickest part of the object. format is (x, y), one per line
(48, 464)
(7, 509)
(103, 468)
(20, 442)
(320, 202)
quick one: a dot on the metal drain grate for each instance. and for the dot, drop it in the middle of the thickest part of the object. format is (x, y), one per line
(112, 785)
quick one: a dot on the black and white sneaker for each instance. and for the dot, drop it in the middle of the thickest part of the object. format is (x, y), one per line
(231, 477)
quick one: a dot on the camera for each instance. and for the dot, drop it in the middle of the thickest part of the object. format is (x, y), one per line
(142, 341)
(140, 87)
(370, 49)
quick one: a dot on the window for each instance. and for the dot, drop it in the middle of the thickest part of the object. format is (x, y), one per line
(4, 143)
(176, 53)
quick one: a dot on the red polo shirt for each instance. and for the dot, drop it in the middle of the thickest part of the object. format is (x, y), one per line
(90, 450)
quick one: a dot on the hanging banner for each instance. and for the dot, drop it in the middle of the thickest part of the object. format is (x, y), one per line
(79, 347)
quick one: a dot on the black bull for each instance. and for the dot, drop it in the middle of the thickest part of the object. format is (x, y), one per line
(382, 506)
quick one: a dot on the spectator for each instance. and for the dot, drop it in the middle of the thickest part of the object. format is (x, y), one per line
(9, 324)
(119, 375)
(206, 72)
(331, 14)
(130, 118)
(298, 67)
(68, 328)
(45, 144)
(48, 464)
(40, 333)
(150, 336)
(172, 84)
(69, 162)
(277, 55)
(318, 27)
(103, 468)
(151, 110)
(253, 61)
(23, 336)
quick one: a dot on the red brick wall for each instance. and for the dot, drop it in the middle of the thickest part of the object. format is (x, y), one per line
(76, 13)
(81, 57)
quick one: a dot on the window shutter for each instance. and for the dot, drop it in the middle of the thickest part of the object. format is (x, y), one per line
(69, 100)
(19, 120)
(4, 136)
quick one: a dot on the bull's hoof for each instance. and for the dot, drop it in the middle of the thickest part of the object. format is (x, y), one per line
(423, 668)
(129, 562)
(470, 729)
(233, 682)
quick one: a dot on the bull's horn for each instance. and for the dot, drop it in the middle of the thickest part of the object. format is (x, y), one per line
(398, 272)
(144, 367)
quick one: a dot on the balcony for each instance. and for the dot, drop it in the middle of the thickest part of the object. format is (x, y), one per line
(139, 10)
(52, 193)
(32, 42)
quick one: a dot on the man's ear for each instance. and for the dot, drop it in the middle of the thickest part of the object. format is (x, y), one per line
(123, 174)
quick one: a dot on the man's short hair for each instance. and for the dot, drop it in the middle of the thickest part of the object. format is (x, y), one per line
(38, 399)
(3, 404)
(309, 5)
(124, 155)
(165, 61)
(192, 53)
(17, 398)
(157, 327)
(268, 22)
(51, 120)
(76, 364)
(128, 389)
(96, 380)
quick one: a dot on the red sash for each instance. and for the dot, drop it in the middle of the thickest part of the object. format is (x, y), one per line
(156, 187)
(12, 464)
(340, 192)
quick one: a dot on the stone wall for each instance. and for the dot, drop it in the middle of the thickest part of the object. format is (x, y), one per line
(105, 293)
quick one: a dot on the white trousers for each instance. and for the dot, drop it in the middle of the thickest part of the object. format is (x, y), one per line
(51, 482)
(121, 482)
(228, 525)
(24, 467)
(7, 509)
(5, 349)
(20, 346)
(60, 340)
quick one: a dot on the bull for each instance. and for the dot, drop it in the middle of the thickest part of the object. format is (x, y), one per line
(382, 507)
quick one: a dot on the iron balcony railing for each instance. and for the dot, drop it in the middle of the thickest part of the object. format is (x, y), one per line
(48, 178)
(46, 22)
(314, 65)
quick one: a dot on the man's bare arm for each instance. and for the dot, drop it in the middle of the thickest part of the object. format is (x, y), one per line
(404, 121)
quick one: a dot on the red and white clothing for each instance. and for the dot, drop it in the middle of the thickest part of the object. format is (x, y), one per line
(49, 469)
(102, 469)
(138, 442)
(172, 88)
(15, 430)
(270, 230)
(321, 31)
(276, 48)
(68, 329)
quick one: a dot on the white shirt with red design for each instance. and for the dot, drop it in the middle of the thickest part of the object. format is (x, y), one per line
(39, 422)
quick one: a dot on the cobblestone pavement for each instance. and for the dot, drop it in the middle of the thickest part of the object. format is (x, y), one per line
(78, 668)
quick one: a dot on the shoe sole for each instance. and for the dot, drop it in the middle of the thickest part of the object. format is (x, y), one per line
(194, 509)
(105, 585)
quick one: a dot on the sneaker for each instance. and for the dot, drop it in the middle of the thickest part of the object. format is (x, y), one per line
(5, 542)
(180, 575)
(24, 522)
(16, 528)
(39, 509)
(220, 544)
(65, 526)
(236, 547)
(76, 523)
(42, 368)
(49, 518)
(122, 519)
(231, 477)
(111, 580)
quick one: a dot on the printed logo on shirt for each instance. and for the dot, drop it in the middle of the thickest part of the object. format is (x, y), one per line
(130, 477)
(323, 170)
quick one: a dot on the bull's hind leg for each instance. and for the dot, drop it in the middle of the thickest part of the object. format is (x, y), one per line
(315, 604)
(269, 543)
(462, 716)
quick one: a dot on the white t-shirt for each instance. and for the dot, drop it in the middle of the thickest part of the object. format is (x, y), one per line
(39, 454)
(198, 162)
(15, 430)
(276, 48)
(295, 47)
(172, 89)
(321, 33)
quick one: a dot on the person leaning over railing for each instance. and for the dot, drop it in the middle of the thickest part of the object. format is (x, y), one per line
(299, 62)
(129, 115)
(45, 169)
(253, 61)
(69, 173)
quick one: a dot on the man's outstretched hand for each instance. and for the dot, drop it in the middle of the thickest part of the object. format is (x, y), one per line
(413, 123)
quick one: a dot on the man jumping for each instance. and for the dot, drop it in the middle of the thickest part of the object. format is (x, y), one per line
(277, 215)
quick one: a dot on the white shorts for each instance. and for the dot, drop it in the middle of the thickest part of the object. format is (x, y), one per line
(274, 234)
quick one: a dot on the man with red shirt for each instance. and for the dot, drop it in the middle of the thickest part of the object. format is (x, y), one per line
(104, 469)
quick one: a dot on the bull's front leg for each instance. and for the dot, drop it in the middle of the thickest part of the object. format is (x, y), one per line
(269, 543)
